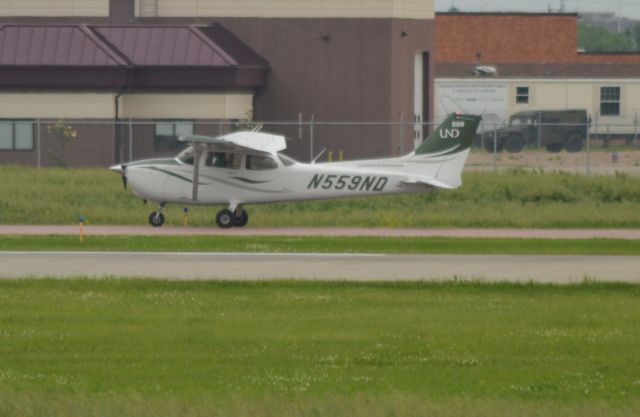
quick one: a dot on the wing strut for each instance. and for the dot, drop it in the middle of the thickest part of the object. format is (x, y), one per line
(196, 173)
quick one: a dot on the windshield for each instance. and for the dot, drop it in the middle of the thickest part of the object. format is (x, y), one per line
(286, 160)
(187, 156)
(521, 120)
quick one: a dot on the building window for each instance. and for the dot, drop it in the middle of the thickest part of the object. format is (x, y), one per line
(168, 132)
(16, 135)
(609, 101)
(522, 95)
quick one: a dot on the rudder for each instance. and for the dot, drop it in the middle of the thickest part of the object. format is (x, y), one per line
(453, 135)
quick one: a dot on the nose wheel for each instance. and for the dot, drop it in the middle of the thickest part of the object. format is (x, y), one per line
(227, 218)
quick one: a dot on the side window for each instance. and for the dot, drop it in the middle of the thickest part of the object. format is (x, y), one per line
(167, 133)
(16, 135)
(610, 101)
(223, 160)
(522, 95)
(260, 163)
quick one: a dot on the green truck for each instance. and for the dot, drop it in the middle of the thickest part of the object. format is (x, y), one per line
(552, 129)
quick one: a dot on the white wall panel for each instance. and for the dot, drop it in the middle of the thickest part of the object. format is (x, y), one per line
(57, 105)
(409, 9)
(54, 8)
(187, 106)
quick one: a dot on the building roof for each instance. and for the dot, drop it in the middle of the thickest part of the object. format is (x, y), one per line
(60, 45)
(174, 46)
(126, 57)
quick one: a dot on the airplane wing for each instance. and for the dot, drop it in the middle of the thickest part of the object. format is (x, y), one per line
(236, 141)
(239, 141)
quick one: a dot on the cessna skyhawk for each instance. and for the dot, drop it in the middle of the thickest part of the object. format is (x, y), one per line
(247, 167)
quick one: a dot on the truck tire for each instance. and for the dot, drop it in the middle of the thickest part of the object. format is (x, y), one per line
(514, 143)
(553, 147)
(574, 142)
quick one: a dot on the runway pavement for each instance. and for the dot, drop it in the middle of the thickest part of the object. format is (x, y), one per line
(100, 230)
(199, 266)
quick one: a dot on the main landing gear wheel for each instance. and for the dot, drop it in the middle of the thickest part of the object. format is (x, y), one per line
(240, 219)
(156, 219)
(224, 219)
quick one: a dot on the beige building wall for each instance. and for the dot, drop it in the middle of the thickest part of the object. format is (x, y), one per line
(582, 94)
(187, 106)
(54, 8)
(408, 9)
(563, 94)
(137, 106)
(57, 105)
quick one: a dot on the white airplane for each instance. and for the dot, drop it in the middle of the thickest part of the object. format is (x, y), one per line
(247, 167)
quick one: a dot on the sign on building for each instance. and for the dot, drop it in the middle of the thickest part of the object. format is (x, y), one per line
(488, 99)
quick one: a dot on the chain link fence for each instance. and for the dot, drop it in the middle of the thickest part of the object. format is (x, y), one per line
(579, 148)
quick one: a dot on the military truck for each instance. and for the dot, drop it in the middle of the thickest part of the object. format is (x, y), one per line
(553, 129)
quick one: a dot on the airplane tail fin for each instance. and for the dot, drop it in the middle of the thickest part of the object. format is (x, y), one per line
(444, 152)
(453, 135)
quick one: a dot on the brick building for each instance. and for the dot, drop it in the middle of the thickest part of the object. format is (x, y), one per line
(537, 66)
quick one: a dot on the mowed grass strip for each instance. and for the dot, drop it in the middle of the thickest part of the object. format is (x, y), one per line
(121, 347)
(390, 245)
(514, 199)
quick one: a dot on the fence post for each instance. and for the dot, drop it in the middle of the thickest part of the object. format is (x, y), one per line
(130, 140)
(311, 138)
(539, 129)
(495, 148)
(401, 134)
(38, 144)
(588, 153)
(300, 126)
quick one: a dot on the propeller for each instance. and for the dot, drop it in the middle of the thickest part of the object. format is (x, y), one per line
(123, 167)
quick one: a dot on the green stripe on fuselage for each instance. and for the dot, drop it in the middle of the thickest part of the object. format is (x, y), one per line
(163, 161)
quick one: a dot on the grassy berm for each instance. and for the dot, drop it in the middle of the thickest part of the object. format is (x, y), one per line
(515, 198)
(154, 348)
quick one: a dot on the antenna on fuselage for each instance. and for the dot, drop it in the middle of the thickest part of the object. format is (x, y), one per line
(313, 161)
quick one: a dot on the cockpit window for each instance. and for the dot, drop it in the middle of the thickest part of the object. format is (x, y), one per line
(187, 156)
(286, 161)
(260, 162)
(223, 160)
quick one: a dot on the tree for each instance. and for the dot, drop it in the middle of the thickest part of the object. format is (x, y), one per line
(64, 134)
(599, 39)
(634, 34)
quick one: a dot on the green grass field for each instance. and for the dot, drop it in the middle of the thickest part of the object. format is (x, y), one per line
(515, 198)
(156, 348)
(391, 245)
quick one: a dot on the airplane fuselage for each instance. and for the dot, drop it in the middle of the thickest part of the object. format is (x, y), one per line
(170, 181)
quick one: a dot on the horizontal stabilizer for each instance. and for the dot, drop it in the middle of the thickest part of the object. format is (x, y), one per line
(428, 181)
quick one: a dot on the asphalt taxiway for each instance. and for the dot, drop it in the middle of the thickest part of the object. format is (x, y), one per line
(352, 267)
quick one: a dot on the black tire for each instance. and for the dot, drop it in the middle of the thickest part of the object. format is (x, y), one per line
(241, 219)
(156, 219)
(224, 219)
(553, 147)
(574, 142)
(514, 143)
